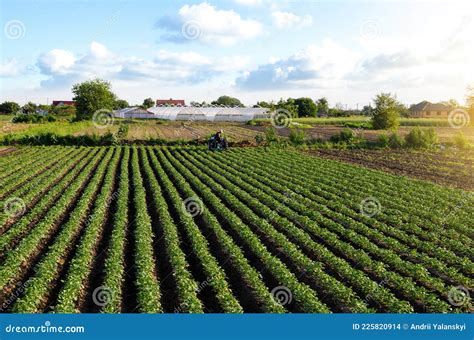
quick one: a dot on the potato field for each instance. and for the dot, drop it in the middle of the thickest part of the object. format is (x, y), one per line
(145, 229)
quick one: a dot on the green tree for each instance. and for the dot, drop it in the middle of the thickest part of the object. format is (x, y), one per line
(270, 105)
(287, 105)
(147, 103)
(386, 112)
(9, 108)
(227, 101)
(91, 96)
(367, 110)
(403, 110)
(322, 106)
(29, 108)
(453, 103)
(306, 107)
(120, 104)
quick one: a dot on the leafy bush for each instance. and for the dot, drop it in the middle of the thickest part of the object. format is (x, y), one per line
(418, 138)
(383, 140)
(122, 131)
(460, 141)
(346, 136)
(358, 125)
(32, 118)
(271, 135)
(387, 112)
(259, 139)
(297, 137)
(395, 141)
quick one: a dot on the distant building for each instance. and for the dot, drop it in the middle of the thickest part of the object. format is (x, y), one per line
(190, 113)
(63, 102)
(426, 109)
(170, 102)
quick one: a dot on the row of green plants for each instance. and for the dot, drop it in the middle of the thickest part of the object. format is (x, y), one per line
(15, 161)
(148, 287)
(35, 188)
(29, 170)
(46, 271)
(235, 197)
(361, 181)
(32, 118)
(114, 267)
(16, 259)
(279, 215)
(216, 277)
(328, 197)
(250, 276)
(417, 138)
(304, 297)
(186, 286)
(19, 228)
(279, 197)
(273, 211)
(81, 265)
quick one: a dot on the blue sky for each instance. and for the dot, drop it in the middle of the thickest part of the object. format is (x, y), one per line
(255, 50)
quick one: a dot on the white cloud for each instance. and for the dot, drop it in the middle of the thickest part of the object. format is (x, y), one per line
(166, 67)
(249, 2)
(99, 51)
(206, 24)
(56, 61)
(290, 20)
(313, 66)
(10, 68)
(183, 58)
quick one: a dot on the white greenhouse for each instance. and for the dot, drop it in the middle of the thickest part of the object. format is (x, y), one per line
(191, 113)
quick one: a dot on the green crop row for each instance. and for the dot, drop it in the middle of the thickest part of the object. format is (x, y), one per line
(17, 230)
(18, 258)
(81, 265)
(303, 295)
(46, 271)
(146, 280)
(115, 258)
(216, 277)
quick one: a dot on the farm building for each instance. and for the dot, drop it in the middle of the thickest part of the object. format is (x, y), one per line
(426, 109)
(170, 102)
(63, 102)
(190, 113)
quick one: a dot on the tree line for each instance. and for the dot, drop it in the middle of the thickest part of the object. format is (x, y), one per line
(96, 94)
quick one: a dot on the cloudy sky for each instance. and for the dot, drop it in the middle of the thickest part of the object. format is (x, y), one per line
(252, 49)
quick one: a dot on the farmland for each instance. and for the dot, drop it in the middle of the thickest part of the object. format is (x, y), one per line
(145, 131)
(154, 229)
(449, 167)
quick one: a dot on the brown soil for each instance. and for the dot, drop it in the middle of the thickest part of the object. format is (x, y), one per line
(6, 151)
(448, 167)
(324, 132)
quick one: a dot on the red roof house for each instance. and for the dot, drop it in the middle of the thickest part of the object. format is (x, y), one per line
(170, 102)
(63, 102)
